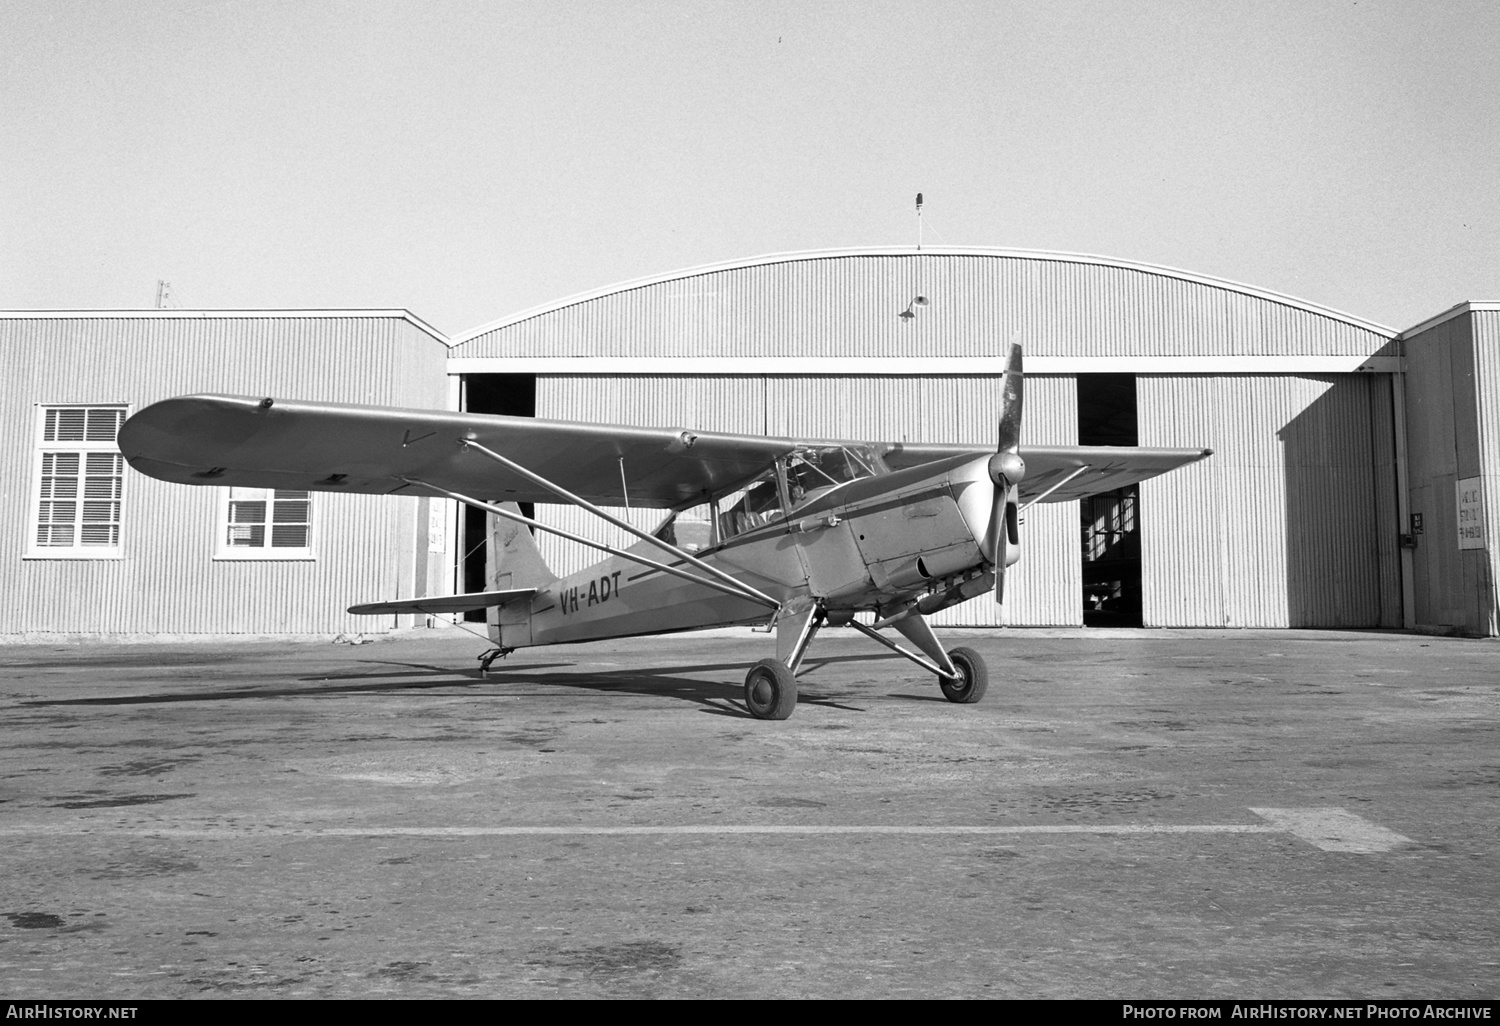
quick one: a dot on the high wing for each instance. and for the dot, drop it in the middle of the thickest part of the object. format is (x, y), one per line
(1062, 473)
(250, 442)
(289, 444)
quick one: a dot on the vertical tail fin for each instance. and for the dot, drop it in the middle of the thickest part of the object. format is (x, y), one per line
(513, 560)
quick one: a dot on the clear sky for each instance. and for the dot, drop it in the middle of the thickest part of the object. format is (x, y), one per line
(467, 160)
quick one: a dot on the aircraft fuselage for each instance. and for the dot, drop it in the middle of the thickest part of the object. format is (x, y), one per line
(872, 543)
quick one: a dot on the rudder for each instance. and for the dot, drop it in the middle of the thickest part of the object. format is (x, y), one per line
(513, 560)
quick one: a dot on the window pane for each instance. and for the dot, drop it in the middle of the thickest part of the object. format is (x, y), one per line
(54, 535)
(291, 512)
(289, 536)
(65, 425)
(690, 530)
(59, 512)
(101, 488)
(247, 512)
(102, 425)
(253, 536)
(101, 534)
(59, 488)
(59, 463)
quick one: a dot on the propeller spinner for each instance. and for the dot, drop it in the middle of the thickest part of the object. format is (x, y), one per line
(1006, 470)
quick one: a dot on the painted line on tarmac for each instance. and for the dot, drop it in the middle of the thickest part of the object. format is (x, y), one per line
(1330, 829)
(1334, 829)
(779, 828)
(639, 831)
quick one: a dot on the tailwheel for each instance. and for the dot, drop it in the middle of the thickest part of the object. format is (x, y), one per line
(974, 677)
(486, 659)
(770, 690)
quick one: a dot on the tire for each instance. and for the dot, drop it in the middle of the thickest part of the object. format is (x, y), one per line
(975, 677)
(770, 690)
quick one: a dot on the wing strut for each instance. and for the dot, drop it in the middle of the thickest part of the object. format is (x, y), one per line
(888, 643)
(743, 591)
(582, 503)
(1054, 488)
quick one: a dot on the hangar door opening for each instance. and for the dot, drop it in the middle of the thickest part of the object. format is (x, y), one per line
(510, 395)
(1111, 521)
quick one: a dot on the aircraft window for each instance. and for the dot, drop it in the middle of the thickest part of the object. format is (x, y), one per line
(811, 472)
(690, 529)
(759, 504)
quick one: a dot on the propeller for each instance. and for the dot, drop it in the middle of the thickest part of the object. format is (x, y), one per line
(1006, 471)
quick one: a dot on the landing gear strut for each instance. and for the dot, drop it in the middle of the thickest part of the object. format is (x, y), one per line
(961, 674)
(771, 684)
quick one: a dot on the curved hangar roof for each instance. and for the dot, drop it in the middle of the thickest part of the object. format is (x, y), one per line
(863, 303)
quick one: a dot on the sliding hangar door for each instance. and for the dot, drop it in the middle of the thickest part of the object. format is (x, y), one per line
(1292, 522)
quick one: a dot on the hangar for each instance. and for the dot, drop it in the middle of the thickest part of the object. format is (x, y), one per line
(1347, 487)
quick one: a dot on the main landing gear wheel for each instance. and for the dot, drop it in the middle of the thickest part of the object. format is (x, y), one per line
(770, 690)
(974, 677)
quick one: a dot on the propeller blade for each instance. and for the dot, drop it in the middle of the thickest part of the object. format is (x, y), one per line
(999, 546)
(1012, 397)
(1006, 468)
(1006, 514)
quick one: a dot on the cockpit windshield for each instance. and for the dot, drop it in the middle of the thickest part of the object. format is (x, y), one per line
(811, 472)
(795, 480)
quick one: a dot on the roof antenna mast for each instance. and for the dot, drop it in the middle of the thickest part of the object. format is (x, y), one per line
(919, 220)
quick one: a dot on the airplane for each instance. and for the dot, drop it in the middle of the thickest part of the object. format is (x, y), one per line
(786, 534)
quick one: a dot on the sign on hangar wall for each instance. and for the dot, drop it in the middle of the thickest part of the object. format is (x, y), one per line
(1470, 512)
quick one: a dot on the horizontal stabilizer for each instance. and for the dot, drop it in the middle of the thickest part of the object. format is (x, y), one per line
(444, 603)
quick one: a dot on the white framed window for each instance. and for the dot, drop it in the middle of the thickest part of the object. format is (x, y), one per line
(79, 481)
(265, 523)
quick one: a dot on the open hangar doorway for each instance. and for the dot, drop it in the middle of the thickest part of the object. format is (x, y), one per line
(510, 395)
(1110, 521)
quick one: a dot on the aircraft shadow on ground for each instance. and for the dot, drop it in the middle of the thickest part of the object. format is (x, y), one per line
(722, 698)
(380, 681)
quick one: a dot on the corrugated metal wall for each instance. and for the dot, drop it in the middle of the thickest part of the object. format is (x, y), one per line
(1047, 585)
(1431, 412)
(846, 305)
(1453, 431)
(1484, 330)
(168, 580)
(1290, 523)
